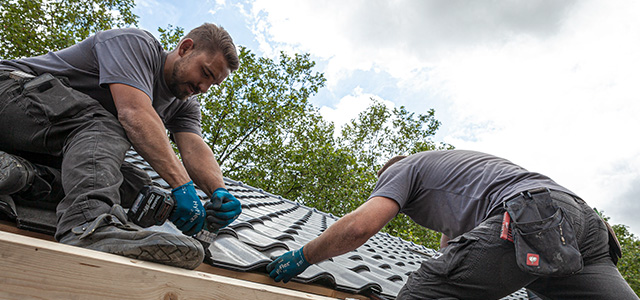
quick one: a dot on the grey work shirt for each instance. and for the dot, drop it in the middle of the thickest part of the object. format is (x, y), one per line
(129, 56)
(453, 191)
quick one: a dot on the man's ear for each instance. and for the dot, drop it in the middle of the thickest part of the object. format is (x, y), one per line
(185, 47)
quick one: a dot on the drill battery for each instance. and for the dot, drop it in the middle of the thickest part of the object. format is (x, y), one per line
(153, 206)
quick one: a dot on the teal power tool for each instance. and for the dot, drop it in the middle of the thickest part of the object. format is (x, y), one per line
(154, 205)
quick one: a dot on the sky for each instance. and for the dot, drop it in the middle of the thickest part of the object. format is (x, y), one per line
(553, 86)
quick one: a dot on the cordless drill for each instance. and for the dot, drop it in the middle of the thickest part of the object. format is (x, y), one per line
(153, 206)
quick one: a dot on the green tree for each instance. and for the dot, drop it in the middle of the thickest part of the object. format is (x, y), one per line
(34, 27)
(170, 37)
(378, 134)
(265, 132)
(260, 123)
(629, 263)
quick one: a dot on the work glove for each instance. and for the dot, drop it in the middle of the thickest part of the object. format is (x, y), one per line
(189, 214)
(288, 265)
(222, 210)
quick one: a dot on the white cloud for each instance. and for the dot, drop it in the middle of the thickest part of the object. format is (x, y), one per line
(551, 85)
(219, 4)
(566, 106)
(350, 106)
(395, 36)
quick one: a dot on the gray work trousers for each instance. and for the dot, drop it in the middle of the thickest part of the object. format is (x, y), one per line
(44, 118)
(481, 265)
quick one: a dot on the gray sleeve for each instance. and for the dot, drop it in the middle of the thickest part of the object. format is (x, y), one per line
(129, 59)
(186, 118)
(396, 183)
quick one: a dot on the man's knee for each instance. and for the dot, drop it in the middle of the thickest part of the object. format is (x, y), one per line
(134, 179)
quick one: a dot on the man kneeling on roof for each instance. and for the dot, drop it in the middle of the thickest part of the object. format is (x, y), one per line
(510, 228)
(67, 119)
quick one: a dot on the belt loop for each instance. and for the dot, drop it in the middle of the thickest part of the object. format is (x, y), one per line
(529, 193)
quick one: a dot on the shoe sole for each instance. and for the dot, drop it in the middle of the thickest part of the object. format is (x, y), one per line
(173, 250)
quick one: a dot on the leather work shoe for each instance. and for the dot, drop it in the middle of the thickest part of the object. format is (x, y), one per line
(113, 234)
(15, 173)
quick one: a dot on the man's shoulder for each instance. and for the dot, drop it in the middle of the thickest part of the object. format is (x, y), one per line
(124, 33)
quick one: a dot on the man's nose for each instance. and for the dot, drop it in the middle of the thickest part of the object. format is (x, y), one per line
(203, 87)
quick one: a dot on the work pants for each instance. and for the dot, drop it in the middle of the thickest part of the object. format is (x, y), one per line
(73, 132)
(480, 265)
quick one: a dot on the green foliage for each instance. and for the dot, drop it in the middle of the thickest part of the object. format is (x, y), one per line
(34, 27)
(629, 264)
(380, 133)
(170, 37)
(265, 132)
(403, 227)
(261, 126)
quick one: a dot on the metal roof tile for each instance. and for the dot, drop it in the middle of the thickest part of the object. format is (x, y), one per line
(270, 225)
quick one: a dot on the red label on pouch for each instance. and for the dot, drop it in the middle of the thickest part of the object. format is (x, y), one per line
(505, 233)
(533, 259)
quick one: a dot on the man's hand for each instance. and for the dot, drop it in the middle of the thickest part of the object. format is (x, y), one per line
(189, 214)
(288, 265)
(222, 210)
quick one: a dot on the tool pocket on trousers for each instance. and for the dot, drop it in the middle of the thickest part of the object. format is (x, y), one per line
(545, 242)
(55, 100)
(454, 263)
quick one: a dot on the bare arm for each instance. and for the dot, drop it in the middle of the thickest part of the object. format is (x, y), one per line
(199, 162)
(147, 133)
(444, 241)
(352, 230)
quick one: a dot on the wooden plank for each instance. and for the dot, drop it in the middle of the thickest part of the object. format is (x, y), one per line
(35, 269)
(248, 276)
(265, 279)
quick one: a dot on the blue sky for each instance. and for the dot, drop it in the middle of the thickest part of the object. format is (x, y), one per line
(551, 85)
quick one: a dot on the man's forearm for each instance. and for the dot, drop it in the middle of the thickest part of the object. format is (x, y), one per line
(338, 239)
(146, 132)
(199, 162)
(352, 230)
(147, 135)
(349, 233)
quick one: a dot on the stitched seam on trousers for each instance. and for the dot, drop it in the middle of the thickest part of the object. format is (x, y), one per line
(94, 172)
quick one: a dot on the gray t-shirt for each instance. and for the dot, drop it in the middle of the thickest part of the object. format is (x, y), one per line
(453, 191)
(129, 56)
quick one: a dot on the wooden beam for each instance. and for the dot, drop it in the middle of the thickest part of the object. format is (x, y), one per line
(264, 279)
(35, 269)
(248, 276)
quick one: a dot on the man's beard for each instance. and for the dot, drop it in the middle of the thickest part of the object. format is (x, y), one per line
(174, 83)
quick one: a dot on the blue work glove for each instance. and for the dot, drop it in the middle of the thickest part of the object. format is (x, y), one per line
(288, 265)
(189, 214)
(222, 210)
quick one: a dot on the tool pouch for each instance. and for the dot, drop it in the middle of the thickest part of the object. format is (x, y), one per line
(545, 243)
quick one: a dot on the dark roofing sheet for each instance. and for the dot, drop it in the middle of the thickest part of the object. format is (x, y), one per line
(269, 226)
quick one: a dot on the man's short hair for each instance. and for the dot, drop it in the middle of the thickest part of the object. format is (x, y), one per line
(213, 38)
(392, 161)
